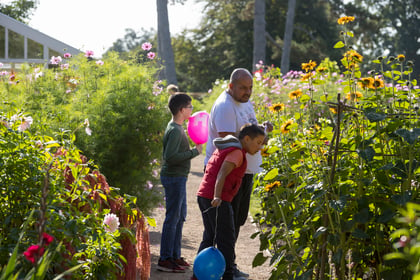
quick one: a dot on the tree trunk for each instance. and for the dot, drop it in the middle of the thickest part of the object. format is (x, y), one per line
(288, 35)
(165, 51)
(259, 33)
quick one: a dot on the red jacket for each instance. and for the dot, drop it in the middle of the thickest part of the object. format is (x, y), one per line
(232, 182)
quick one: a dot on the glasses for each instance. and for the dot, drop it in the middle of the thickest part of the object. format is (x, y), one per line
(190, 107)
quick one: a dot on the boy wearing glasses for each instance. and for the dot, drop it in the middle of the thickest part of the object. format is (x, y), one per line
(176, 164)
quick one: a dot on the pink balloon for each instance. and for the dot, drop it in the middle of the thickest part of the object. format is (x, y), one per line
(198, 127)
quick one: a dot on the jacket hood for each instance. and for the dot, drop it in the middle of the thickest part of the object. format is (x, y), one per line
(227, 142)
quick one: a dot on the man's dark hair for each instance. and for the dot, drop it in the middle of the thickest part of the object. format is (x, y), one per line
(178, 101)
(252, 130)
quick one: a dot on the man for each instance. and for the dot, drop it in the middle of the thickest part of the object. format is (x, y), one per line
(229, 113)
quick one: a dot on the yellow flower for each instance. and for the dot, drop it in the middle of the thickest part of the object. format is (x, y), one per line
(305, 77)
(271, 186)
(321, 69)
(366, 83)
(264, 152)
(308, 66)
(277, 107)
(333, 110)
(295, 94)
(401, 57)
(378, 83)
(354, 96)
(290, 185)
(352, 55)
(345, 19)
(285, 128)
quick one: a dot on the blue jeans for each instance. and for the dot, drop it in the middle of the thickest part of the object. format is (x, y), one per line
(176, 212)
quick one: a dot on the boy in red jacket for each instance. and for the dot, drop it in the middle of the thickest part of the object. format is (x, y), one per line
(221, 182)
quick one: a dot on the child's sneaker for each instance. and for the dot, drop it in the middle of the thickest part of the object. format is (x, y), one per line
(169, 266)
(182, 263)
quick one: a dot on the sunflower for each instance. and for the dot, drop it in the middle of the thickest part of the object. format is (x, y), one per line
(305, 77)
(271, 186)
(264, 152)
(401, 57)
(308, 66)
(365, 83)
(352, 55)
(285, 127)
(345, 19)
(378, 83)
(277, 107)
(354, 96)
(321, 69)
(290, 185)
(295, 94)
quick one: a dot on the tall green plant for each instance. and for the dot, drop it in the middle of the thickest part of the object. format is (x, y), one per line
(338, 167)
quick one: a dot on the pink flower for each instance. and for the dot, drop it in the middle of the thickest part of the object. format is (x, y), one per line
(26, 123)
(1, 64)
(47, 238)
(111, 223)
(146, 46)
(149, 185)
(64, 66)
(67, 55)
(55, 59)
(33, 253)
(99, 62)
(89, 53)
(151, 55)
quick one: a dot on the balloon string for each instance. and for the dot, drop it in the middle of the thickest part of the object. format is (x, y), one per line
(215, 228)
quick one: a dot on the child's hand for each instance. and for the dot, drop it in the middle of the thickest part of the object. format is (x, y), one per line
(199, 148)
(216, 202)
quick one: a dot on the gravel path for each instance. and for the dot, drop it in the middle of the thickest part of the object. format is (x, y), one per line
(246, 248)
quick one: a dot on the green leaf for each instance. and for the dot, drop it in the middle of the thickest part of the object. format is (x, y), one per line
(373, 115)
(68, 271)
(339, 205)
(151, 222)
(402, 199)
(409, 136)
(339, 45)
(259, 259)
(367, 154)
(304, 98)
(320, 231)
(394, 255)
(358, 233)
(271, 174)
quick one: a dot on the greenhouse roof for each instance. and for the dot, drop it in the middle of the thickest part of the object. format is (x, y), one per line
(20, 43)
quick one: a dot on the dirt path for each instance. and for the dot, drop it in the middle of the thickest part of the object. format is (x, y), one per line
(246, 248)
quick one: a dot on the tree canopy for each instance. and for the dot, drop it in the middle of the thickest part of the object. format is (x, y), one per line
(20, 10)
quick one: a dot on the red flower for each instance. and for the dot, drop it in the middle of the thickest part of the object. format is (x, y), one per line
(33, 253)
(47, 239)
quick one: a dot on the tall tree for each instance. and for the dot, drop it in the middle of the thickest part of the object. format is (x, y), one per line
(20, 10)
(259, 33)
(164, 43)
(288, 35)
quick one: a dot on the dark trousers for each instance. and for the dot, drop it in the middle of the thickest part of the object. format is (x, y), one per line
(240, 203)
(224, 237)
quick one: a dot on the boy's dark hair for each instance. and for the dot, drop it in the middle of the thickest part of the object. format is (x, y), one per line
(252, 130)
(178, 101)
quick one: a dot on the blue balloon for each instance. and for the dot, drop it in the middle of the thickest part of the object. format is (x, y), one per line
(209, 264)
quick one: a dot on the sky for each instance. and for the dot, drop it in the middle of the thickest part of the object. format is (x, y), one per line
(96, 24)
